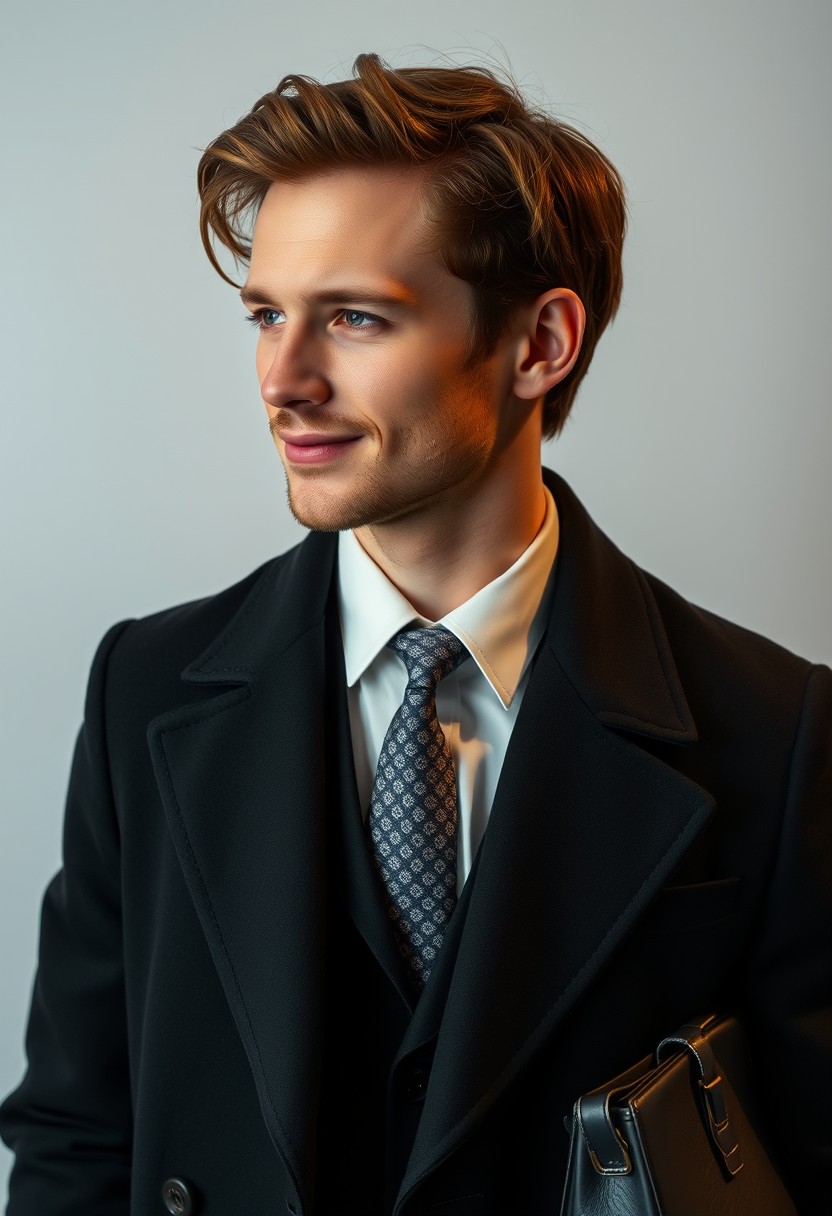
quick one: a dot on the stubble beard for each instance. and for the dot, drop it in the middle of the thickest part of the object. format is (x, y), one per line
(389, 488)
(382, 495)
(321, 511)
(374, 501)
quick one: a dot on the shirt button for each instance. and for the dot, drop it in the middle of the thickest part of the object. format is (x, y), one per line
(178, 1197)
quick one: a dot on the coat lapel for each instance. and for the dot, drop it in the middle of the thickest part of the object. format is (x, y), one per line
(243, 778)
(585, 828)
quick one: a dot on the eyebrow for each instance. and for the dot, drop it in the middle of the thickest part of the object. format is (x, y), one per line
(252, 295)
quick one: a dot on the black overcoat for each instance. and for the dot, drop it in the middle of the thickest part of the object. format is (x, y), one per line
(658, 846)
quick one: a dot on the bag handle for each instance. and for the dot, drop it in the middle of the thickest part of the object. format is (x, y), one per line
(692, 1039)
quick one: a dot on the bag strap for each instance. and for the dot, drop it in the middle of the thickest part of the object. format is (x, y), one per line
(607, 1148)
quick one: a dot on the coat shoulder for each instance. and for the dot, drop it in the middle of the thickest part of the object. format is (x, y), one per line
(729, 668)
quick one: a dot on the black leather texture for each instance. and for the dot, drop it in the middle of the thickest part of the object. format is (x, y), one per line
(675, 1166)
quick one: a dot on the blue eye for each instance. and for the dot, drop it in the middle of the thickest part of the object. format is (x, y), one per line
(271, 318)
(264, 318)
(354, 318)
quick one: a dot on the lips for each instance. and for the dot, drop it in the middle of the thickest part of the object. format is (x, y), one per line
(315, 447)
(312, 439)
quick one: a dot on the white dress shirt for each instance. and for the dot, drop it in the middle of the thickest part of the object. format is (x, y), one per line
(477, 705)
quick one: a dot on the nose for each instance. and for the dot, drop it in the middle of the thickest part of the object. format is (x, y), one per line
(291, 371)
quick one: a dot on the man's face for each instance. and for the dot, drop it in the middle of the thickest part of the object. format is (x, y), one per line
(361, 354)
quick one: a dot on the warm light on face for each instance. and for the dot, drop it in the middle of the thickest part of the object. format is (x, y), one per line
(363, 342)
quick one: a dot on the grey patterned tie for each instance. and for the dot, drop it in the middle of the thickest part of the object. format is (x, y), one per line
(412, 820)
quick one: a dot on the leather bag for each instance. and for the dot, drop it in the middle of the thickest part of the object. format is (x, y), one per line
(675, 1135)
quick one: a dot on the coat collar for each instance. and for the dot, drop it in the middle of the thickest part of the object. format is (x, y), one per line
(289, 599)
(606, 632)
(580, 807)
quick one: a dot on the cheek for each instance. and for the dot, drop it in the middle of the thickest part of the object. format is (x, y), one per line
(384, 392)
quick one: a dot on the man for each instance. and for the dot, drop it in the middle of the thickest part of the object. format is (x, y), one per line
(377, 860)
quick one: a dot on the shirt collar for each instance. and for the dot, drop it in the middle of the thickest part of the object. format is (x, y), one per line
(501, 624)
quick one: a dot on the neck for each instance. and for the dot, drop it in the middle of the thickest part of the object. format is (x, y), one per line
(442, 555)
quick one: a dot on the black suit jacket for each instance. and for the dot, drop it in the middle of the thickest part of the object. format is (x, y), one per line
(658, 846)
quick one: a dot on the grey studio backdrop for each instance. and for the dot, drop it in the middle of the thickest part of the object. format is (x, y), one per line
(137, 470)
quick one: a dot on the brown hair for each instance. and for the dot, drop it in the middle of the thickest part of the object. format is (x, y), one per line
(521, 202)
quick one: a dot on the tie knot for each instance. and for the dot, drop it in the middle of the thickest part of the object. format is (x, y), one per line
(428, 654)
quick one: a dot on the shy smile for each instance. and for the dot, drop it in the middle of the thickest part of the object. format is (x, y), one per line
(314, 448)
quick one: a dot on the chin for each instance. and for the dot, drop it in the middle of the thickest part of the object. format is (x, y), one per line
(323, 513)
(326, 510)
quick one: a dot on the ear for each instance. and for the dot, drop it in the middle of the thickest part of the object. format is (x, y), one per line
(553, 330)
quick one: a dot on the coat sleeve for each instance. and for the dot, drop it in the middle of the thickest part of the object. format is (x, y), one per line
(70, 1122)
(791, 964)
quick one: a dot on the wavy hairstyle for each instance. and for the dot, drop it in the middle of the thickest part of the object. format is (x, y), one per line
(519, 201)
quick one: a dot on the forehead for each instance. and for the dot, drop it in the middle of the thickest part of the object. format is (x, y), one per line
(357, 222)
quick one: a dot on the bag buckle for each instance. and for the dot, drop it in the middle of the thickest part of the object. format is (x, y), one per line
(722, 1133)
